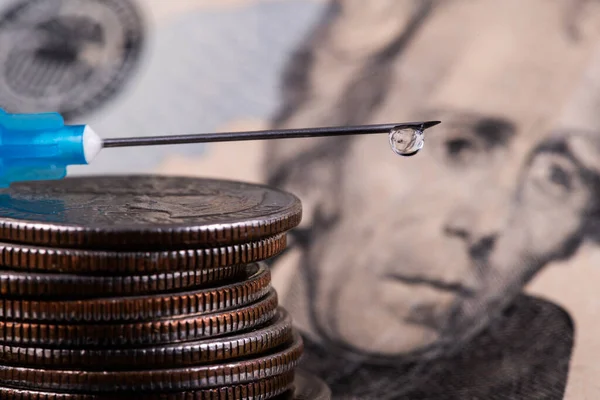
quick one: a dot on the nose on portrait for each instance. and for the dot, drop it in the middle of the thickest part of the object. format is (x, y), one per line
(478, 225)
(479, 244)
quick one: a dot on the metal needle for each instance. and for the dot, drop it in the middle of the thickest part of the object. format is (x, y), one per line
(264, 135)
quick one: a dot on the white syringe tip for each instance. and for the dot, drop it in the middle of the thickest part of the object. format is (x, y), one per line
(92, 144)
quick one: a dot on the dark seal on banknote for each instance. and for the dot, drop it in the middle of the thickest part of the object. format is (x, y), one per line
(144, 212)
(69, 56)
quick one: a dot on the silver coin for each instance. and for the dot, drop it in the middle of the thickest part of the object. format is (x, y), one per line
(143, 212)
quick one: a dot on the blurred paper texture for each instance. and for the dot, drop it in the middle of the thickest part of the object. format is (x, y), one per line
(202, 65)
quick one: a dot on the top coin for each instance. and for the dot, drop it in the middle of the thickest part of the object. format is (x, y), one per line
(143, 212)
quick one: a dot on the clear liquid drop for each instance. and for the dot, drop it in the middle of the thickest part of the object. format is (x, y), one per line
(406, 141)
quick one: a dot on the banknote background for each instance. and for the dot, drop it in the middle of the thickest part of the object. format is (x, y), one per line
(203, 66)
(220, 65)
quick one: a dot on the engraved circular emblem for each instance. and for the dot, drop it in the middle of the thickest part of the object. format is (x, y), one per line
(67, 56)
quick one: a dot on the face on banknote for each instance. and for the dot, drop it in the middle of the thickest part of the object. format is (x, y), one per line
(432, 261)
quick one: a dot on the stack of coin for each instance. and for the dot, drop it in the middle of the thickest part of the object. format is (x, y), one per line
(145, 287)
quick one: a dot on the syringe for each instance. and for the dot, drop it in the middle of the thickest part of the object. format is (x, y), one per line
(40, 146)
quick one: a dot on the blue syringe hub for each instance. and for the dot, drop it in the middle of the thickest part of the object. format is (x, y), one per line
(40, 147)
